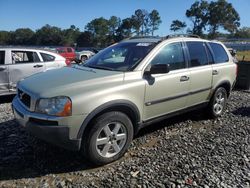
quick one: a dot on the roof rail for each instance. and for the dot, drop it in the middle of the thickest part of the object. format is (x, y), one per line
(181, 35)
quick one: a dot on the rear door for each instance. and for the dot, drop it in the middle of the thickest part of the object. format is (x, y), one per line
(25, 63)
(222, 69)
(4, 73)
(49, 61)
(200, 72)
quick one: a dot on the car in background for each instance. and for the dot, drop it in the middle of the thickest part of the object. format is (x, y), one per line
(84, 55)
(68, 53)
(18, 63)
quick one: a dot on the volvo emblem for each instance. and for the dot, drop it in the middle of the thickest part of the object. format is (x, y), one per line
(21, 95)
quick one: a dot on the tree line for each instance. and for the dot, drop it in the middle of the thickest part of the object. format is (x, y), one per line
(210, 17)
(207, 19)
(99, 32)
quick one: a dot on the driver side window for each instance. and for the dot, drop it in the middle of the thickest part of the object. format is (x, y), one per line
(171, 54)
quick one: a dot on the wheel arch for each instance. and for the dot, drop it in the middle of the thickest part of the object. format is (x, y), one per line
(225, 84)
(127, 107)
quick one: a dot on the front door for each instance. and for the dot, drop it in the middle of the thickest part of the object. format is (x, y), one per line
(166, 93)
(25, 63)
(4, 74)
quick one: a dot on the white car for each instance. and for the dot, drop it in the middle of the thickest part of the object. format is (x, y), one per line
(18, 63)
(84, 55)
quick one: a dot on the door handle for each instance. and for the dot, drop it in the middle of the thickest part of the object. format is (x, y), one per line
(184, 78)
(37, 66)
(2, 68)
(215, 72)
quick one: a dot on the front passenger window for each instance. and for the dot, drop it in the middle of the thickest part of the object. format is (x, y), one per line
(172, 55)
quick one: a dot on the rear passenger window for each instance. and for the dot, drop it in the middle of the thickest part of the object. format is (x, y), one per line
(24, 57)
(172, 55)
(47, 57)
(220, 55)
(197, 52)
(2, 57)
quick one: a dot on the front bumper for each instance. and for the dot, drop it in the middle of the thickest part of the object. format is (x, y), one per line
(61, 131)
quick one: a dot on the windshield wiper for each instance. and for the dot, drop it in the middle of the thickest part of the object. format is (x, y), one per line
(99, 67)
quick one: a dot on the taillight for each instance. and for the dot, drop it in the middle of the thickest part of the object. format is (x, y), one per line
(68, 62)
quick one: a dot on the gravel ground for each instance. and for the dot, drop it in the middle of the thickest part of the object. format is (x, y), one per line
(186, 151)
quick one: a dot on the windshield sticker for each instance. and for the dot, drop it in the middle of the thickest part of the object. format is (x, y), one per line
(144, 44)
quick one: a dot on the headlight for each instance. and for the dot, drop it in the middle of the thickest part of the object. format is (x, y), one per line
(56, 106)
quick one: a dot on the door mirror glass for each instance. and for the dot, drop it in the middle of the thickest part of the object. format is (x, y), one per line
(159, 69)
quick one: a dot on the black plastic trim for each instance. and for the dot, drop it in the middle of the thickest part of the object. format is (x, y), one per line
(165, 116)
(176, 96)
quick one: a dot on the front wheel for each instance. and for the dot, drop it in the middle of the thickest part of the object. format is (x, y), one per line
(218, 103)
(84, 58)
(108, 138)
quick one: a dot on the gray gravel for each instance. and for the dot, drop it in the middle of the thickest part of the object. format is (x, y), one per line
(186, 151)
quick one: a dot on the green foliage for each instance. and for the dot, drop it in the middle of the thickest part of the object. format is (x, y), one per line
(49, 36)
(70, 36)
(99, 28)
(99, 32)
(177, 25)
(222, 14)
(22, 36)
(155, 21)
(140, 21)
(5, 37)
(214, 15)
(198, 14)
(243, 33)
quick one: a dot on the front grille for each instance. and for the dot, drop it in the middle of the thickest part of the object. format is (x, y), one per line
(24, 98)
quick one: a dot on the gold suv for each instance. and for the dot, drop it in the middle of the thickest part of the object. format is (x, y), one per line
(99, 106)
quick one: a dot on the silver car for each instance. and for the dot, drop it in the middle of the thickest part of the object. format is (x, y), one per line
(18, 63)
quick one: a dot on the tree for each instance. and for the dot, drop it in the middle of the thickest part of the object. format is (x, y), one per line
(125, 29)
(222, 14)
(5, 38)
(70, 36)
(99, 28)
(177, 25)
(85, 39)
(49, 36)
(22, 36)
(155, 21)
(114, 23)
(243, 33)
(198, 14)
(140, 22)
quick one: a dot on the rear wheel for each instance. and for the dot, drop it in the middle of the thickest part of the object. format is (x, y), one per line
(109, 138)
(218, 103)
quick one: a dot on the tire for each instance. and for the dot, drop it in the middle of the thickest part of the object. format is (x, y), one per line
(108, 138)
(217, 104)
(84, 58)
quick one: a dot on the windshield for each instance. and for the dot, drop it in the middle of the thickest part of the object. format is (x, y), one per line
(120, 57)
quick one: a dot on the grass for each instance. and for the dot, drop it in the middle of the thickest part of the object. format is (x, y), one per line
(241, 54)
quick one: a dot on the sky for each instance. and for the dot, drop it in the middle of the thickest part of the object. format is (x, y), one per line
(34, 14)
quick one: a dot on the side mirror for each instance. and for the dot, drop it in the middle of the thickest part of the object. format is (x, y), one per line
(159, 69)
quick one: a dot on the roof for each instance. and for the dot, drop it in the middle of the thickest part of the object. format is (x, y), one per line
(153, 39)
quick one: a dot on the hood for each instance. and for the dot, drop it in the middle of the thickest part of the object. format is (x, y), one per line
(69, 80)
